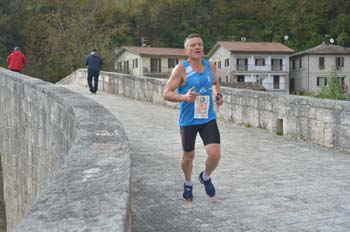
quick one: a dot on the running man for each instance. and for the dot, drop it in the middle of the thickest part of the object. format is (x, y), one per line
(196, 82)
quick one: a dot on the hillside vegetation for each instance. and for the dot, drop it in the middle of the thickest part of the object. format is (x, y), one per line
(56, 35)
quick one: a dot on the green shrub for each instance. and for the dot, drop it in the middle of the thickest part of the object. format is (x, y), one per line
(333, 89)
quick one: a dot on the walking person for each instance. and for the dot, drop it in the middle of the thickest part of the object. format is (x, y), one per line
(196, 83)
(16, 60)
(94, 63)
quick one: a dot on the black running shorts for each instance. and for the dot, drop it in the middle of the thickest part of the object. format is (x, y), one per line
(209, 133)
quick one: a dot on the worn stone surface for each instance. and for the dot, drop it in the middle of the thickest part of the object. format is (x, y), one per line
(264, 182)
(65, 159)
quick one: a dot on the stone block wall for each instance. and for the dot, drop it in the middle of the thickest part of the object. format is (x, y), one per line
(140, 88)
(61, 156)
(325, 122)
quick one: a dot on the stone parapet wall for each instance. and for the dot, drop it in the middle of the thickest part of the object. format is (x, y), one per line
(325, 122)
(65, 159)
(140, 88)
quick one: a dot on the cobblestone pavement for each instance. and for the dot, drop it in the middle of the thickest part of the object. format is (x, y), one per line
(264, 182)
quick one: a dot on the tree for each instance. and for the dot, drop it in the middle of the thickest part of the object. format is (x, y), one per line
(333, 89)
(65, 31)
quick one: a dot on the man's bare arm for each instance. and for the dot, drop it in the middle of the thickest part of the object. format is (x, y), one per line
(216, 86)
(175, 80)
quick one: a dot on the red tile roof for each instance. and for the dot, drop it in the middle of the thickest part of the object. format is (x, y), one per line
(155, 51)
(325, 49)
(255, 47)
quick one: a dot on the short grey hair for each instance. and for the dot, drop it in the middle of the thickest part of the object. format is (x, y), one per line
(190, 36)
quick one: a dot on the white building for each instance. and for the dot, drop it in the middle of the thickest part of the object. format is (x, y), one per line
(309, 68)
(266, 63)
(148, 61)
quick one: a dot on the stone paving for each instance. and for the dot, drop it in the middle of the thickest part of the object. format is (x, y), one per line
(264, 182)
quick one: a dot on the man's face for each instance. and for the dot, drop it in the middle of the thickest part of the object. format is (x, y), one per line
(194, 48)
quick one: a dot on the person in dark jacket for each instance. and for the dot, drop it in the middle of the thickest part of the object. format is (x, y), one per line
(16, 60)
(94, 63)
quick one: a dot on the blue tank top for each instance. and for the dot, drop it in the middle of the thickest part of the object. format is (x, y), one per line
(203, 83)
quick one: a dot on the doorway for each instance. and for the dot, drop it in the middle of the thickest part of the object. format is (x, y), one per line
(276, 82)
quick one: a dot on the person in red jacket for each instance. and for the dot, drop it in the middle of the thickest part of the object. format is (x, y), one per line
(16, 60)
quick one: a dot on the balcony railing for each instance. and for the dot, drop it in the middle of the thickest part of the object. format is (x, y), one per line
(242, 67)
(275, 67)
(265, 68)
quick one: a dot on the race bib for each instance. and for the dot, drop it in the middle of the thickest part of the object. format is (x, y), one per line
(201, 106)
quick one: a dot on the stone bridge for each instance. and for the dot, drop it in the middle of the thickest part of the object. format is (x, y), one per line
(72, 161)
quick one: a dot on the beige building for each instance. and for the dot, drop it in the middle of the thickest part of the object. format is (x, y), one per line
(266, 63)
(309, 68)
(148, 61)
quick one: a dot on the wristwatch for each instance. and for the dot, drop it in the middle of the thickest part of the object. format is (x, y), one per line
(217, 96)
